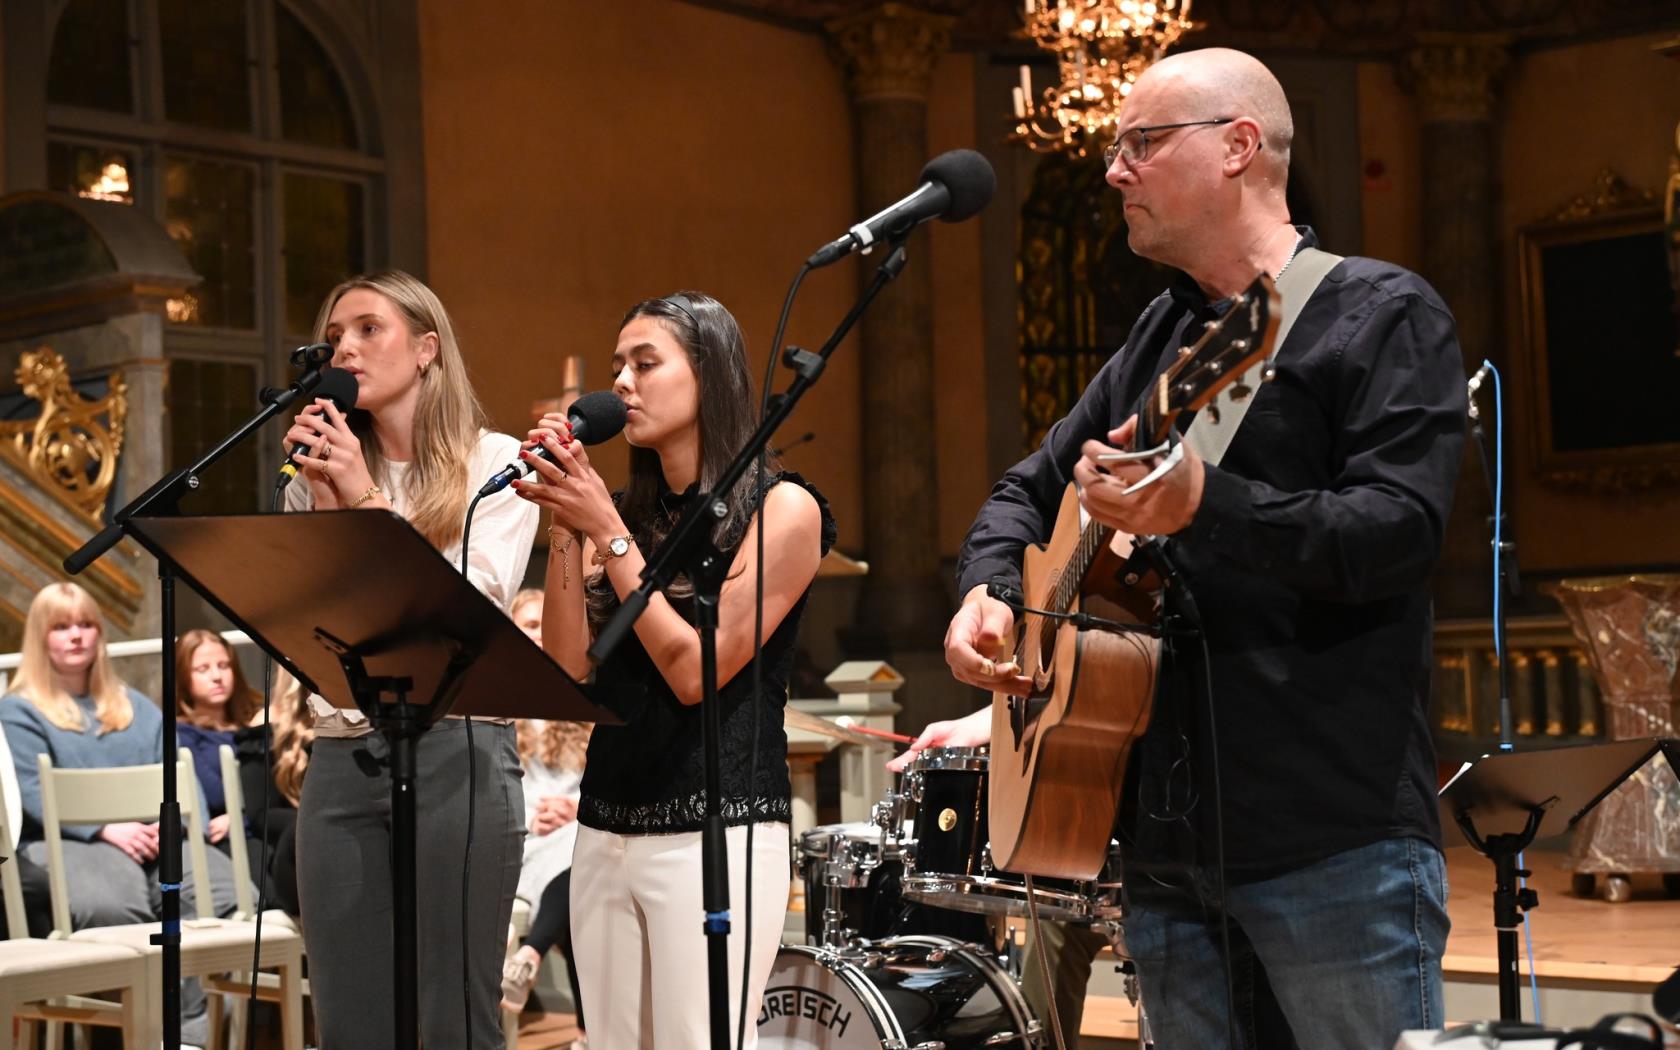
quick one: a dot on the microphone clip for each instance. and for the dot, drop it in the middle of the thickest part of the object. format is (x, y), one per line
(1001, 590)
(312, 356)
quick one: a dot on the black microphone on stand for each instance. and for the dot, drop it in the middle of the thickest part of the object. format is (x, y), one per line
(339, 387)
(954, 186)
(594, 418)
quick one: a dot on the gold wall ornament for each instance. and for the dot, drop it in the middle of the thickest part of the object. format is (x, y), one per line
(889, 51)
(1456, 76)
(1101, 48)
(73, 446)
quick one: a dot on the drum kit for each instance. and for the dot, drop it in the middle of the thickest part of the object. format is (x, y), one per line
(902, 915)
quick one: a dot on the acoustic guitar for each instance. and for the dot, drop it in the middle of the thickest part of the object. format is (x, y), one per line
(1059, 755)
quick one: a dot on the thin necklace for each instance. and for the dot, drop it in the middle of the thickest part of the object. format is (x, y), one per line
(1292, 253)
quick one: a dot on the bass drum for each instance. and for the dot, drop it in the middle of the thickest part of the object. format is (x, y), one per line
(903, 992)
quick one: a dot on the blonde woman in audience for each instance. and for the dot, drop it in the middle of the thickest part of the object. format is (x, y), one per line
(271, 789)
(67, 702)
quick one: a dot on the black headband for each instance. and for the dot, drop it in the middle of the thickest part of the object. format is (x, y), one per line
(683, 303)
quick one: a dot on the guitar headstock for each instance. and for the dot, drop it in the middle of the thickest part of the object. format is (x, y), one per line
(1229, 347)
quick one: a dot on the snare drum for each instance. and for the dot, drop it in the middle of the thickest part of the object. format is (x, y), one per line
(902, 992)
(856, 869)
(950, 864)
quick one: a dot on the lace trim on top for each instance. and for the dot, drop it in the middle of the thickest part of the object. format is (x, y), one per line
(677, 815)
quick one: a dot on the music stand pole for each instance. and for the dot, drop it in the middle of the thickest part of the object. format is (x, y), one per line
(689, 548)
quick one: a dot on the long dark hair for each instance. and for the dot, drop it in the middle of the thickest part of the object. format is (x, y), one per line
(717, 352)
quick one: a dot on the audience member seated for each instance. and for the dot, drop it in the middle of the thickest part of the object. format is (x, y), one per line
(552, 755)
(271, 790)
(67, 702)
(211, 702)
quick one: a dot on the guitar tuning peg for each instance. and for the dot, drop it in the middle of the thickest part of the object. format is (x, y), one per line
(1212, 411)
(1241, 391)
(1269, 373)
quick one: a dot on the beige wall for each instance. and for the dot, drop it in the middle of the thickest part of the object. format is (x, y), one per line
(958, 341)
(1569, 113)
(1388, 135)
(605, 153)
(1565, 114)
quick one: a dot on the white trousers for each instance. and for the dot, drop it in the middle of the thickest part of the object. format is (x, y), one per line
(638, 939)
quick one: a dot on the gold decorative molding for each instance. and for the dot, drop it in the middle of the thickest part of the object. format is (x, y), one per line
(1609, 193)
(1456, 76)
(73, 446)
(888, 52)
(43, 543)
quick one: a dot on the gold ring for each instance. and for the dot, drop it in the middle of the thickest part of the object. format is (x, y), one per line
(326, 451)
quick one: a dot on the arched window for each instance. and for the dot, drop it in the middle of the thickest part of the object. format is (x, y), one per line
(238, 127)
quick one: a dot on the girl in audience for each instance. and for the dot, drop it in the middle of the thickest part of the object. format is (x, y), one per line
(211, 702)
(552, 756)
(271, 790)
(67, 702)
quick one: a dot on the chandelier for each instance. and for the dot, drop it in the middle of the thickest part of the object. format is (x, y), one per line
(1101, 48)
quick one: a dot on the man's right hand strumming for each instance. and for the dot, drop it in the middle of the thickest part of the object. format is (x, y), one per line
(979, 645)
(977, 648)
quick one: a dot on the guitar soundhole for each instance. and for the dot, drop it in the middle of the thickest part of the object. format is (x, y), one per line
(1024, 713)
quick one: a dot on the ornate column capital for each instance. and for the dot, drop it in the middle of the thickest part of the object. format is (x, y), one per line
(888, 52)
(1456, 76)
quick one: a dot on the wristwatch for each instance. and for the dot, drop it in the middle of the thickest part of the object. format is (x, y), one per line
(617, 547)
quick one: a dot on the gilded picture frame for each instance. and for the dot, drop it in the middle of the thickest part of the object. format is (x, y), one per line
(1601, 362)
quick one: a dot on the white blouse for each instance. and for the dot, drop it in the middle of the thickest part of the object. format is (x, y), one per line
(503, 529)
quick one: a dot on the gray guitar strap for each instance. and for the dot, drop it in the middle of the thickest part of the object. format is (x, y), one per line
(1210, 438)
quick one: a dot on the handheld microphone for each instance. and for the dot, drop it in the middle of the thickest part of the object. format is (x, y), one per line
(954, 186)
(339, 387)
(594, 418)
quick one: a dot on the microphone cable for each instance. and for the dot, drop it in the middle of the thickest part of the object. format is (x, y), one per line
(275, 501)
(472, 785)
(759, 491)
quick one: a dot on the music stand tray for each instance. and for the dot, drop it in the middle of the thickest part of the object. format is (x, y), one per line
(366, 613)
(1501, 802)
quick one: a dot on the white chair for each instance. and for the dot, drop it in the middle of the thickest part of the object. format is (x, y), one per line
(519, 924)
(209, 946)
(45, 980)
(237, 987)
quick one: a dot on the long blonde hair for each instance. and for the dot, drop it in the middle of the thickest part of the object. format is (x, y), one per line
(292, 733)
(557, 745)
(447, 417)
(36, 682)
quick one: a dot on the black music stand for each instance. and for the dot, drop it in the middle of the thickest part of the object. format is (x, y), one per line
(365, 612)
(1501, 802)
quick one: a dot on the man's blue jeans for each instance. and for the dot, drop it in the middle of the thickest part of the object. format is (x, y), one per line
(1351, 947)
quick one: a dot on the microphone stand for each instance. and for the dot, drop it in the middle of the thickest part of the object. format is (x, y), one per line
(689, 548)
(163, 500)
(1509, 900)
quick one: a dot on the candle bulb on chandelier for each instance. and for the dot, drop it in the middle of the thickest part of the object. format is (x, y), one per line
(1026, 84)
(1020, 104)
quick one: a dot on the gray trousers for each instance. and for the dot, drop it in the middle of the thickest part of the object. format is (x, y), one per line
(1067, 950)
(344, 884)
(107, 888)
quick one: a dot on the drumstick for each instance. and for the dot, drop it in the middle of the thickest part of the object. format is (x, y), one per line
(846, 720)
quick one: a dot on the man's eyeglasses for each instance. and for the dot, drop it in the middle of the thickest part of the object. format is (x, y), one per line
(1133, 145)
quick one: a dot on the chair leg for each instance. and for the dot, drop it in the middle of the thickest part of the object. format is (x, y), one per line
(510, 1029)
(134, 1019)
(218, 1024)
(291, 1003)
(54, 1039)
(239, 1012)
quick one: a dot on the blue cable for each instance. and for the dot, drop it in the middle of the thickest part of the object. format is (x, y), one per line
(1498, 599)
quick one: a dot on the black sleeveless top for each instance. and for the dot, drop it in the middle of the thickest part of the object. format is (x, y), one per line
(647, 776)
